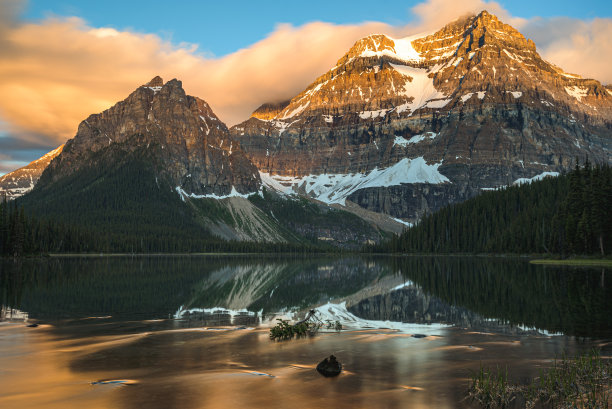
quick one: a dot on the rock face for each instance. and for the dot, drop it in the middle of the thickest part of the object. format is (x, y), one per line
(22, 180)
(405, 126)
(192, 148)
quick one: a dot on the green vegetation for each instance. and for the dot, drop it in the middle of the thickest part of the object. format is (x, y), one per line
(552, 298)
(284, 331)
(585, 262)
(563, 215)
(582, 382)
(117, 204)
(308, 327)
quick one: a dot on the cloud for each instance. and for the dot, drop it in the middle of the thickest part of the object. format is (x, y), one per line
(54, 73)
(433, 14)
(577, 46)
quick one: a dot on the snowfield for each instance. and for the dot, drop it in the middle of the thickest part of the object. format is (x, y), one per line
(336, 187)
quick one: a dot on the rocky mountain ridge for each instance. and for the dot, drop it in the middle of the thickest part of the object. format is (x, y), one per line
(404, 126)
(161, 163)
(22, 180)
(195, 152)
(397, 128)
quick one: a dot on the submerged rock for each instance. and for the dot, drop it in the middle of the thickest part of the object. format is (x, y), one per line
(329, 367)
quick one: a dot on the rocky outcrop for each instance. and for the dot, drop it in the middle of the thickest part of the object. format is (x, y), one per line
(22, 180)
(191, 148)
(329, 367)
(474, 102)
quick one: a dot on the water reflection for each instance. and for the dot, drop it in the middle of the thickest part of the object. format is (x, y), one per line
(499, 295)
(108, 336)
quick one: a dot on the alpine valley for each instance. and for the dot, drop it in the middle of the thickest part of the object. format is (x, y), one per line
(398, 128)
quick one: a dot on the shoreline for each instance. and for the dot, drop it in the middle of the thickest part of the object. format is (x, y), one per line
(580, 262)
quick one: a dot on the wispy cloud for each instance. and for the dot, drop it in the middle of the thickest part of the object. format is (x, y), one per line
(53, 74)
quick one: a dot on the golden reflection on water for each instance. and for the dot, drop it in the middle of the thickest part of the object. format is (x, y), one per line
(137, 366)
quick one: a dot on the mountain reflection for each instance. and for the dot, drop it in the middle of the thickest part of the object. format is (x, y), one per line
(498, 295)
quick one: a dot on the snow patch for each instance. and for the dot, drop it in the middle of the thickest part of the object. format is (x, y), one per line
(296, 111)
(335, 187)
(420, 88)
(339, 312)
(205, 123)
(401, 141)
(408, 224)
(373, 114)
(565, 74)
(547, 103)
(233, 193)
(535, 178)
(577, 92)
(440, 103)
(466, 96)
(402, 50)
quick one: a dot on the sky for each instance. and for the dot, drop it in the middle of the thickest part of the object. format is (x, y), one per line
(63, 60)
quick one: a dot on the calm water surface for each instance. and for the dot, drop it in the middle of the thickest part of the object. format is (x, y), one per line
(192, 332)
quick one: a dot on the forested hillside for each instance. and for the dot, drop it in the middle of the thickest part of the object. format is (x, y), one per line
(569, 214)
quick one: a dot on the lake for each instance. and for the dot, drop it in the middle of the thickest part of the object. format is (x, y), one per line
(193, 332)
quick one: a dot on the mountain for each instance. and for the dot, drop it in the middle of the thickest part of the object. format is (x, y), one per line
(194, 152)
(22, 180)
(160, 170)
(406, 126)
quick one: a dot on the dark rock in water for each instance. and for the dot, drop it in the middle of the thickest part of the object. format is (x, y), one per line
(329, 367)
(32, 325)
(419, 336)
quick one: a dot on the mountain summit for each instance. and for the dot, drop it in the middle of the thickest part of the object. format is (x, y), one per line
(188, 144)
(404, 126)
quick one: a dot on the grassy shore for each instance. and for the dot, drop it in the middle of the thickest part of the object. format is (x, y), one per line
(581, 382)
(580, 262)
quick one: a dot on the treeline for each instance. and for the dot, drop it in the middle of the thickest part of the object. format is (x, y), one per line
(21, 235)
(569, 214)
(117, 204)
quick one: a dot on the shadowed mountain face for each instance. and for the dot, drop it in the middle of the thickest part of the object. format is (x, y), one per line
(190, 146)
(159, 169)
(405, 126)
